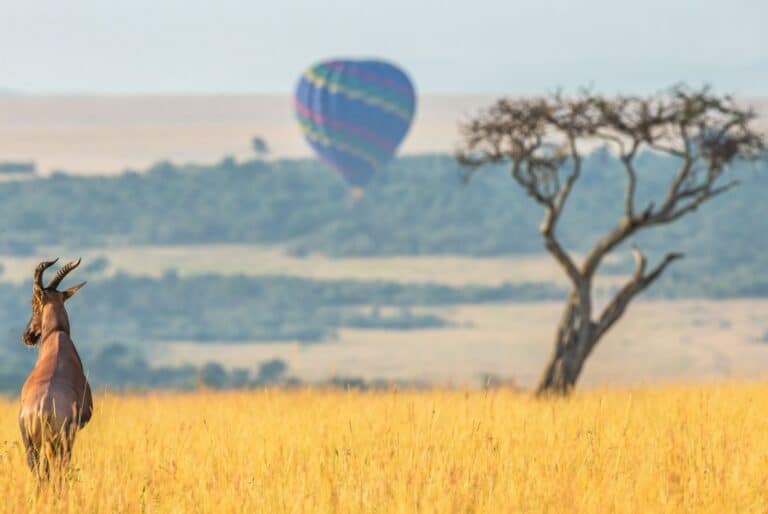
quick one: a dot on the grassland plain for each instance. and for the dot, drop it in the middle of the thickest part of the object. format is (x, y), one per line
(701, 449)
(232, 259)
(656, 341)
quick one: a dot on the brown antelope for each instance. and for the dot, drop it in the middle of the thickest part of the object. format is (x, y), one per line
(56, 398)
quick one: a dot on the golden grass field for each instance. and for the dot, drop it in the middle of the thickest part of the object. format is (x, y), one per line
(672, 449)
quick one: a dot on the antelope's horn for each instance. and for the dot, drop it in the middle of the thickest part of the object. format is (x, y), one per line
(37, 284)
(63, 273)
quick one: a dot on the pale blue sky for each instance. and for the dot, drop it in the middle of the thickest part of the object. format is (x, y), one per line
(491, 46)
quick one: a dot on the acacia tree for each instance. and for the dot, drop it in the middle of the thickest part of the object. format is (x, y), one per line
(543, 140)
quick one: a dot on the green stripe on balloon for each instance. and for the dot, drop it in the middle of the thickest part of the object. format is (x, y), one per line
(360, 94)
(370, 88)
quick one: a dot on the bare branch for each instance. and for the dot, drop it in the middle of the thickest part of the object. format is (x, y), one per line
(636, 284)
(701, 197)
(557, 251)
(640, 262)
(629, 196)
(565, 191)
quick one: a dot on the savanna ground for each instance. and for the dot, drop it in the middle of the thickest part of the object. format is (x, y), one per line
(669, 449)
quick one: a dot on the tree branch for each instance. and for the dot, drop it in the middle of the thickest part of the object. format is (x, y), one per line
(629, 167)
(636, 284)
(565, 191)
(704, 195)
(557, 251)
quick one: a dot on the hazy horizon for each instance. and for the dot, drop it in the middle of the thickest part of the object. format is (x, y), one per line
(236, 47)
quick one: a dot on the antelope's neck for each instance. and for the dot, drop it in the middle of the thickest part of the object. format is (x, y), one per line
(55, 319)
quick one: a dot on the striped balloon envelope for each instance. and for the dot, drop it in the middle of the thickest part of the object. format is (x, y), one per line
(354, 114)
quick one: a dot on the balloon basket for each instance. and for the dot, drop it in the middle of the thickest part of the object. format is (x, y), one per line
(356, 195)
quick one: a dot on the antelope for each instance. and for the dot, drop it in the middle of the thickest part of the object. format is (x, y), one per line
(56, 399)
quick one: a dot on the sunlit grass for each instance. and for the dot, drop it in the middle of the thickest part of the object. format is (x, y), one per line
(671, 449)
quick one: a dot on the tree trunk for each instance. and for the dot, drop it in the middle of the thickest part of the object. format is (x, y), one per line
(573, 343)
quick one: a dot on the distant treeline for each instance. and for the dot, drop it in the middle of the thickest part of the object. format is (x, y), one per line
(417, 206)
(118, 368)
(210, 308)
(240, 308)
(17, 167)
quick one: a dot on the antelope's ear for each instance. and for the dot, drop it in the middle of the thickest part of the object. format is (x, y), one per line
(69, 293)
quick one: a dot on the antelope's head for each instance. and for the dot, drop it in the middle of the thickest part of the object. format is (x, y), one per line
(42, 296)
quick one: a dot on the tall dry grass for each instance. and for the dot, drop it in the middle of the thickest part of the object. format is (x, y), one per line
(670, 449)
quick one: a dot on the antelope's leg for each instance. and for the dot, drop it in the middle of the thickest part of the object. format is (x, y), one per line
(66, 442)
(33, 453)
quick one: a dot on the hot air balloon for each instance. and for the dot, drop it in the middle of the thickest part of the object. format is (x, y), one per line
(354, 114)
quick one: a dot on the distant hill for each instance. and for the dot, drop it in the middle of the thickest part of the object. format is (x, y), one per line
(104, 135)
(107, 134)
